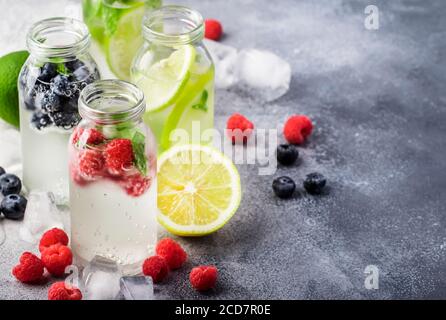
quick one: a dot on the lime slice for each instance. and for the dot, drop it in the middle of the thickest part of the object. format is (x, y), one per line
(125, 42)
(163, 81)
(193, 95)
(198, 190)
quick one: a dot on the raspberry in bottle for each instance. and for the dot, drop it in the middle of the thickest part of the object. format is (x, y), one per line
(58, 68)
(112, 163)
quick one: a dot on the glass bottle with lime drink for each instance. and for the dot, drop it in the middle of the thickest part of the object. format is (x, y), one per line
(176, 73)
(115, 25)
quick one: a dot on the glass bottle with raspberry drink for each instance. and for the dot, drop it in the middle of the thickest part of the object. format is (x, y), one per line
(58, 68)
(112, 160)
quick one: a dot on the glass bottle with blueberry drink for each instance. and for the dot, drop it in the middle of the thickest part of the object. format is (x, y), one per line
(58, 68)
(112, 161)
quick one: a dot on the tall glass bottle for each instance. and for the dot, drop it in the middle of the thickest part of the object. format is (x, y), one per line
(58, 68)
(176, 73)
(113, 177)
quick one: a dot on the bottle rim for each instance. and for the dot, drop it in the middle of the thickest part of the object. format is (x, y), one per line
(155, 19)
(100, 92)
(37, 36)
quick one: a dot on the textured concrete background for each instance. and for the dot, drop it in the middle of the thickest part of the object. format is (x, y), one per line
(378, 101)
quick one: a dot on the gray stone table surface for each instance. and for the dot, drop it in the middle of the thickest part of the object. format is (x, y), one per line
(378, 101)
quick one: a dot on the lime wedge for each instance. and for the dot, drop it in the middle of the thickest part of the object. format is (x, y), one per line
(198, 190)
(125, 42)
(163, 82)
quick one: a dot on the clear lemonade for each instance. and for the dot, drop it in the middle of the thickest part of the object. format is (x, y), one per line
(176, 73)
(50, 82)
(112, 160)
(115, 25)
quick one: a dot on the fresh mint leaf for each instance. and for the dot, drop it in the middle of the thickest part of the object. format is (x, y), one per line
(202, 104)
(139, 146)
(62, 69)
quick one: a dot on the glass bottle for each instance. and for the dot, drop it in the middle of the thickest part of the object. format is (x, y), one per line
(115, 26)
(58, 68)
(176, 73)
(112, 160)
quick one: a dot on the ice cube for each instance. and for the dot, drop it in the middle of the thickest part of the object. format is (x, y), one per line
(41, 214)
(137, 288)
(224, 58)
(100, 279)
(263, 74)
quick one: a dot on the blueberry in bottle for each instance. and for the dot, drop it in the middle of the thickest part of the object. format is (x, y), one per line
(50, 102)
(13, 206)
(47, 72)
(40, 120)
(61, 85)
(10, 184)
(315, 183)
(284, 187)
(287, 154)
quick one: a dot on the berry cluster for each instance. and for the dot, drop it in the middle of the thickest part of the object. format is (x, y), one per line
(13, 204)
(51, 92)
(296, 130)
(55, 257)
(171, 256)
(95, 157)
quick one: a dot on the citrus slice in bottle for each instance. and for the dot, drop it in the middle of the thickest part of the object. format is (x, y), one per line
(125, 42)
(198, 190)
(163, 82)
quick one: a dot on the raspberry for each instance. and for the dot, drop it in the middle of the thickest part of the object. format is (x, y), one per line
(239, 128)
(76, 177)
(30, 269)
(94, 136)
(60, 291)
(297, 129)
(118, 156)
(212, 29)
(203, 278)
(51, 237)
(56, 258)
(155, 267)
(135, 185)
(172, 252)
(91, 163)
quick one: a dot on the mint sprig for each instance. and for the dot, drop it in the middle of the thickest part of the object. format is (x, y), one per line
(203, 100)
(139, 144)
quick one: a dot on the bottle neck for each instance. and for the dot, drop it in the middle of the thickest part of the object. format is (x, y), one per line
(58, 38)
(111, 102)
(173, 25)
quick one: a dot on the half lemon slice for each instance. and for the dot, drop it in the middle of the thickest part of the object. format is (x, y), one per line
(198, 190)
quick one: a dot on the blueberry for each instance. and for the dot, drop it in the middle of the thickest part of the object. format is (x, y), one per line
(315, 183)
(73, 65)
(2, 171)
(50, 102)
(47, 72)
(29, 102)
(287, 154)
(40, 120)
(13, 206)
(9, 184)
(284, 187)
(66, 120)
(61, 85)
